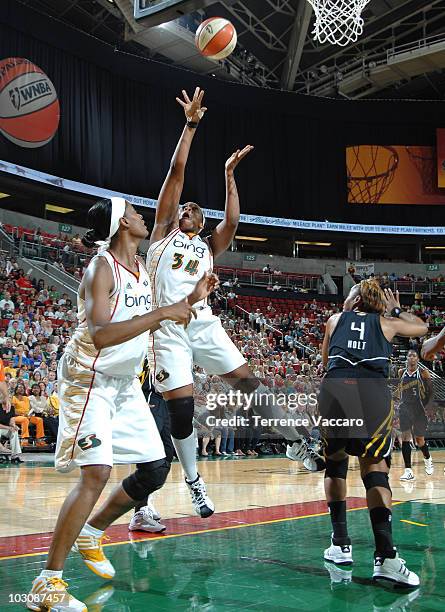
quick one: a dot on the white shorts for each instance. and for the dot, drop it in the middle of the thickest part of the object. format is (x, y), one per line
(203, 343)
(103, 420)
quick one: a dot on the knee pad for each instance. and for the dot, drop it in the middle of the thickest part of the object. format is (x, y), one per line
(336, 469)
(181, 412)
(147, 478)
(376, 479)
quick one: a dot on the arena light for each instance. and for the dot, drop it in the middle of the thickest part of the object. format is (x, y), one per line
(58, 209)
(5, 195)
(431, 248)
(253, 238)
(326, 244)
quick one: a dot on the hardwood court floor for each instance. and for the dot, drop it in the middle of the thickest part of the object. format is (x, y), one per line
(262, 550)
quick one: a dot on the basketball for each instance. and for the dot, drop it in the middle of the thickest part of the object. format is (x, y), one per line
(216, 38)
(29, 107)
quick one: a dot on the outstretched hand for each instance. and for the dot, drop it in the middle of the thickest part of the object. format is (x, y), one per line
(236, 157)
(392, 301)
(204, 287)
(192, 108)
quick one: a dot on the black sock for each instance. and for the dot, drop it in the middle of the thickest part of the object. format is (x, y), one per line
(381, 518)
(337, 511)
(425, 451)
(406, 453)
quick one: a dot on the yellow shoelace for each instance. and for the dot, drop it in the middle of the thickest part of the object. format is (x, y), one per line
(58, 582)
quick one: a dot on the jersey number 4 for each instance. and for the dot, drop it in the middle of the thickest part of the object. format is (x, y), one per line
(360, 328)
(191, 267)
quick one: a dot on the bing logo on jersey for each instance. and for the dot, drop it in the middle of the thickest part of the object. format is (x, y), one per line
(90, 441)
(197, 250)
(142, 300)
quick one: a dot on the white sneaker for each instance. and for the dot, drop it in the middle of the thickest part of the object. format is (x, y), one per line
(301, 451)
(202, 503)
(144, 520)
(51, 594)
(156, 515)
(342, 555)
(394, 570)
(408, 474)
(90, 549)
(429, 467)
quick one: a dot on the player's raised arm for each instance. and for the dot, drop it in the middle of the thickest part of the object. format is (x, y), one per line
(433, 345)
(170, 194)
(224, 232)
(98, 285)
(400, 323)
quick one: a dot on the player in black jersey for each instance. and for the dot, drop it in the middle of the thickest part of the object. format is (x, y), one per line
(416, 390)
(356, 351)
(146, 517)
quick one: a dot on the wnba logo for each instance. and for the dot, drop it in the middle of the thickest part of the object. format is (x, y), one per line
(131, 301)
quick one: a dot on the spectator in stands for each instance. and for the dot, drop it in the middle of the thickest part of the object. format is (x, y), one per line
(267, 269)
(9, 432)
(276, 287)
(6, 303)
(22, 407)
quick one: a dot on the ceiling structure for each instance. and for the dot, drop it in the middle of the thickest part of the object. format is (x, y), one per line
(401, 53)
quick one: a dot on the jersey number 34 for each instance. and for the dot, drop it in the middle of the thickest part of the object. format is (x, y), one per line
(191, 267)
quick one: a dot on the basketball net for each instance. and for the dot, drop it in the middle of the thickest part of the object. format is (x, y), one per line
(424, 161)
(338, 22)
(371, 170)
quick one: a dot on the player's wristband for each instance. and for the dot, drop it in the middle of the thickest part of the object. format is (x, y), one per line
(395, 312)
(192, 124)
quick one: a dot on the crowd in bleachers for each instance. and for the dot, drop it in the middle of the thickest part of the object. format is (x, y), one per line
(36, 323)
(280, 338)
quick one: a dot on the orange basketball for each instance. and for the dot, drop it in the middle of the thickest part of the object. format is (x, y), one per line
(216, 38)
(29, 107)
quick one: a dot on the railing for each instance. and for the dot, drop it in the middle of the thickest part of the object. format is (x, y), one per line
(422, 43)
(265, 279)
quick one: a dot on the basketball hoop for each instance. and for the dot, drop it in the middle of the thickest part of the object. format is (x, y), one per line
(338, 21)
(371, 170)
(424, 160)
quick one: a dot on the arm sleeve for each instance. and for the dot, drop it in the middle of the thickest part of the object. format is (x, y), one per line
(2, 371)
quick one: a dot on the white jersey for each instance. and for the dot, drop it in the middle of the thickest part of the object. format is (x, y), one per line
(130, 297)
(175, 264)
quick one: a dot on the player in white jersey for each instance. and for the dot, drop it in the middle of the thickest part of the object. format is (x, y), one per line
(104, 417)
(177, 259)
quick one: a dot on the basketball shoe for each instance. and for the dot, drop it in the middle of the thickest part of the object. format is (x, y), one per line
(51, 594)
(202, 503)
(408, 474)
(342, 555)
(429, 467)
(301, 451)
(394, 570)
(144, 520)
(90, 549)
(156, 515)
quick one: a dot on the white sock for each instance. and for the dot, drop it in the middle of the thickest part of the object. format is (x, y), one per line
(51, 573)
(87, 530)
(186, 451)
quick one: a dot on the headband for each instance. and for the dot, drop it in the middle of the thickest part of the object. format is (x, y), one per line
(117, 212)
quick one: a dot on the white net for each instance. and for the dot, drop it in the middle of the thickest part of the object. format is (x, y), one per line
(338, 22)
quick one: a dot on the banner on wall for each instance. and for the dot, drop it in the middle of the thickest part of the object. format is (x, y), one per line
(210, 213)
(359, 268)
(395, 175)
(441, 157)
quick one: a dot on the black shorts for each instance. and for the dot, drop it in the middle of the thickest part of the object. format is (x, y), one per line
(356, 409)
(413, 418)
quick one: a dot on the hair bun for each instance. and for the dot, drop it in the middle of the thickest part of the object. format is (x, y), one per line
(90, 238)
